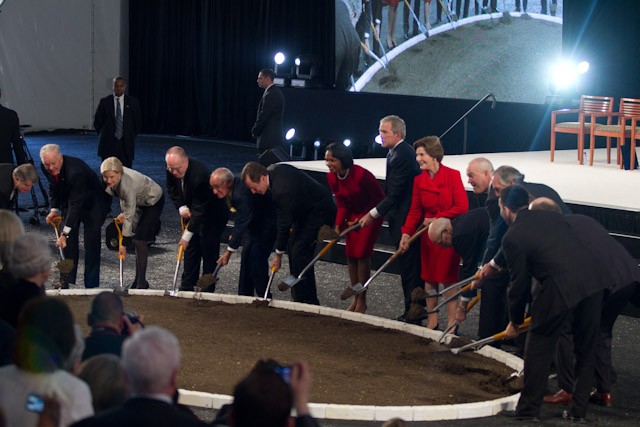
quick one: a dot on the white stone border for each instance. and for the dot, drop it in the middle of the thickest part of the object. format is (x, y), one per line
(376, 66)
(345, 412)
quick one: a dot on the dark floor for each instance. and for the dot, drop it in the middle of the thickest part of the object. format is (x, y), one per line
(385, 295)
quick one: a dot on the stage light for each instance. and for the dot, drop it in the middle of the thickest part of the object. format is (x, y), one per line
(582, 67)
(378, 140)
(290, 134)
(307, 72)
(563, 75)
(317, 143)
(279, 58)
(347, 142)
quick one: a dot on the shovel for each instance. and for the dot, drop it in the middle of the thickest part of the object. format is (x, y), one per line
(290, 280)
(173, 291)
(417, 312)
(355, 289)
(55, 222)
(373, 55)
(419, 293)
(494, 338)
(455, 323)
(271, 276)
(120, 257)
(421, 26)
(64, 265)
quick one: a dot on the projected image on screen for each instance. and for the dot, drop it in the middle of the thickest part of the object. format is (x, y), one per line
(465, 49)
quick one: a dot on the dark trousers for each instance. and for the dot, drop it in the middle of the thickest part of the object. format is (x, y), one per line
(204, 248)
(119, 152)
(410, 272)
(564, 353)
(376, 11)
(92, 222)
(406, 16)
(459, 8)
(254, 267)
(301, 247)
(540, 348)
(494, 316)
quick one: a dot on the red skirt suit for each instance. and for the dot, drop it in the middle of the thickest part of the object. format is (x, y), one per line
(356, 195)
(441, 197)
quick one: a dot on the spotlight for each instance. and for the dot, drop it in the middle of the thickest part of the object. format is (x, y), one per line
(378, 140)
(290, 134)
(563, 75)
(307, 70)
(582, 67)
(347, 142)
(279, 58)
(317, 143)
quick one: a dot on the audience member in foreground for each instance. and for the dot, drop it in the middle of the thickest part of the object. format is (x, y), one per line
(105, 376)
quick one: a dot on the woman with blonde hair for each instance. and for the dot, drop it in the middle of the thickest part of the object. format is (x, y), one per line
(141, 202)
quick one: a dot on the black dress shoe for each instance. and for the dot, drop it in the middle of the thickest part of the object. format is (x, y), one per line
(578, 420)
(402, 317)
(144, 285)
(517, 417)
(186, 288)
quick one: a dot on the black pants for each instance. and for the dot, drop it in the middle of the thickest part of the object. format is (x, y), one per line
(494, 316)
(203, 249)
(540, 348)
(254, 266)
(410, 272)
(91, 221)
(406, 16)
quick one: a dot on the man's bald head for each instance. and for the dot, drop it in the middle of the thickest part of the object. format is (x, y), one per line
(479, 173)
(544, 204)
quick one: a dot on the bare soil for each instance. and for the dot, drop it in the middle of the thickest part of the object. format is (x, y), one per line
(351, 363)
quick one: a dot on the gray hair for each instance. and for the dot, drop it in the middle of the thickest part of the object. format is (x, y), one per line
(30, 255)
(50, 148)
(10, 228)
(223, 174)
(150, 358)
(397, 124)
(508, 175)
(111, 164)
(483, 164)
(26, 172)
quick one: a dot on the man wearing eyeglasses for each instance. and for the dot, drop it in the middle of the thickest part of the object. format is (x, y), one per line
(203, 213)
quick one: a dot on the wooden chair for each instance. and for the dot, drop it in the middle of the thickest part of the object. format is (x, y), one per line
(629, 109)
(635, 134)
(588, 105)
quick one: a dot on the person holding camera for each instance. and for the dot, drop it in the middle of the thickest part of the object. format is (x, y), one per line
(110, 326)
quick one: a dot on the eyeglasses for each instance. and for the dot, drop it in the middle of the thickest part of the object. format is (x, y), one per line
(177, 169)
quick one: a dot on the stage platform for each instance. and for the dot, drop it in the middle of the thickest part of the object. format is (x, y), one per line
(602, 191)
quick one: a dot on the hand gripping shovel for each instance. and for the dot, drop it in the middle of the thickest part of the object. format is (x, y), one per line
(453, 325)
(418, 312)
(358, 288)
(494, 338)
(120, 257)
(173, 291)
(207, 283)
(290, 280)
(64, 265)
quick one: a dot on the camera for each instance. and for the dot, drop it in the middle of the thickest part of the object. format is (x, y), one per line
(133, 318)
(284, 371)
(34, 403)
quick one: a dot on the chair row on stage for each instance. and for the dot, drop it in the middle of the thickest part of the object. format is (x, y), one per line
(596, 117)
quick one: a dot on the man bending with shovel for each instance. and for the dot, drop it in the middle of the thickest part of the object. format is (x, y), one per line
(302, 207)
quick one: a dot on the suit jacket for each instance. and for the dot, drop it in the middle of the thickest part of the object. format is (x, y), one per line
(77, 192)
(255, 215)
(134, 190)
(141, 412)
(542, 244)
(105, 123)
(296, 197)
(622, 267)
(402, 168)
(9, 134)
(267, 128)
(470, 232)
(6, 186)
(206, 209)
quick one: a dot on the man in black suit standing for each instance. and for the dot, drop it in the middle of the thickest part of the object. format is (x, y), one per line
(570, 284)
(254, 228)
(402, 168)
(151, 359)
(76, 193)
(267, 129)
(118, 121)
(206, 215)
(9, 133)
(14, 180)
(302, 207)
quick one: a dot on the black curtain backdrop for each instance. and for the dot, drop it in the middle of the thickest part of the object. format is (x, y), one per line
(193, 63)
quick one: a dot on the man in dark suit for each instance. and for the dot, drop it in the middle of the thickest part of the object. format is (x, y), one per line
(14, 180)
(118, 121)
(402, 168)
(9, 133)
(493, 308)
(76, 193)
(188, 187)
(625, 273)
(151, 359)
(254, 228)
(302, 207)
(267, 129)
(570, 284)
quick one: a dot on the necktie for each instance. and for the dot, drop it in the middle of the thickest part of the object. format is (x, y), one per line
(118, 133)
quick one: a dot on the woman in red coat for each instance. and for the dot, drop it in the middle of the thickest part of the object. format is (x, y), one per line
(356, 191)
(437, 193)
